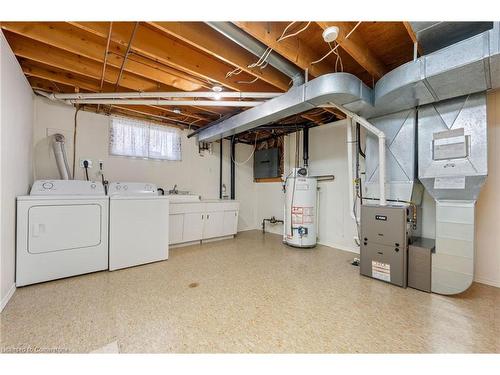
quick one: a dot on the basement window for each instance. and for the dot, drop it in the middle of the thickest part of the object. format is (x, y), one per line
(141, 139)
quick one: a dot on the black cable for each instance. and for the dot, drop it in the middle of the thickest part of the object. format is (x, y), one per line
(86, 166)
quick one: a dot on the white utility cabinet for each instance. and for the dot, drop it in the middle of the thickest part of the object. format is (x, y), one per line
(198, 221)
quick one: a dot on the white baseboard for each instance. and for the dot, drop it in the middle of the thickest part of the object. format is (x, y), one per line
(9, 295)
(481, 280)
(341, 247)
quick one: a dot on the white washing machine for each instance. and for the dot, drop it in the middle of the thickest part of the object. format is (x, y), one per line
(62, 230)
(138, 224)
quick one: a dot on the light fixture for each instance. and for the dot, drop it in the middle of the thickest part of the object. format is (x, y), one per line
(330, 34)
(216, 88)
(177, 111)
(218, 96)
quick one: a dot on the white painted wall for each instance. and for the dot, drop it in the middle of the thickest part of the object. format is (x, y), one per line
(327, 156)
(16, 129)
(196, 173)
(487, 267)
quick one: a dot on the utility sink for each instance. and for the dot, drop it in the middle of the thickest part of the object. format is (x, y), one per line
(183, 198)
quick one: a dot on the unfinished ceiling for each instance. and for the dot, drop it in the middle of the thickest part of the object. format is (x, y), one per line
(68, 57)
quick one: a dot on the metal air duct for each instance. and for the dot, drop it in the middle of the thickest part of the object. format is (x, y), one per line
(233, 32)
(469, 66)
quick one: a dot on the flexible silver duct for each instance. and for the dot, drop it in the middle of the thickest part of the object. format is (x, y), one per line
(59, 149)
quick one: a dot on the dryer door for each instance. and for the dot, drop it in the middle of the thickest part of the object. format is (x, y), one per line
(63, 227)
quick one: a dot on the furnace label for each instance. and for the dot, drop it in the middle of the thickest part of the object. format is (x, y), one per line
(381, 271)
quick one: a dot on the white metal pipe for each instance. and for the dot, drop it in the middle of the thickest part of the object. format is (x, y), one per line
(176, 94)
(381, 147)
(349, 168)
(163, 102)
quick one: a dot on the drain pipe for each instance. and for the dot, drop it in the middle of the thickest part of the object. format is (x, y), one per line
(349, 169)
(233, 32)
(381, 147)
(233, 167)
(305, 146)
(220, 168)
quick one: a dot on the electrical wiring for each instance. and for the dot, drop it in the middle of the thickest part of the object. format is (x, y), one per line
(234, 72)
(251, 155)
(262, 58)
(338, 59)
(282, 37)
(285, 30)
(337, 46)
(248, 82)
(261, 62)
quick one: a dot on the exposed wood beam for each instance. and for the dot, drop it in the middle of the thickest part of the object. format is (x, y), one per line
(158, 46)
(208, 40)
(48, 55)
(293, 49)
(127, 52)
(68, 38)
(106, 52)
(70, 79)
(357, 48)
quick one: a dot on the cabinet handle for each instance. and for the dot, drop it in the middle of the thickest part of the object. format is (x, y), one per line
(208, 216)
(202, 217)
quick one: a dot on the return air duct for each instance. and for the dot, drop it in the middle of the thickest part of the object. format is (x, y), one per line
(453, 165)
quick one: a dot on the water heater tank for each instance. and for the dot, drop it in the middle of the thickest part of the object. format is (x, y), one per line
(300, 228)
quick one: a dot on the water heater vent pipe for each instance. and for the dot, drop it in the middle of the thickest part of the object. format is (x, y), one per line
(381, 145)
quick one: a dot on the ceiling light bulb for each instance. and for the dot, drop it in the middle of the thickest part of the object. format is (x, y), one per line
(217, 96)
(330, 34)
(217, 88)
(177, 110)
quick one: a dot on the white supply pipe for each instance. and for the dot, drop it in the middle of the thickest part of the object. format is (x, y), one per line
(349, 169)
(163, 102)
(381, 146)
(175, 94)
(60, 155)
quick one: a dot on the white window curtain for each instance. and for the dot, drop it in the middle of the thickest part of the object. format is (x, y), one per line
(134, 138)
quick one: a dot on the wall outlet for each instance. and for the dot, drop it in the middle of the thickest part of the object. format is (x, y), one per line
(88, 160)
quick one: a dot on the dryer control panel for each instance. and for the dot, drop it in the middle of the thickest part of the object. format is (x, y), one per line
(132, 188)
(66, 187)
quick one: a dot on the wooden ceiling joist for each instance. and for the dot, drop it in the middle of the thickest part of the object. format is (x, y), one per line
(355, 46)
(203, 37)
(191, 56)
(45, 54)
(159, 47)
(68, 38)
(293, 49)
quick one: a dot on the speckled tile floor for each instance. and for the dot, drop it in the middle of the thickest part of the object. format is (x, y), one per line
(253, 295)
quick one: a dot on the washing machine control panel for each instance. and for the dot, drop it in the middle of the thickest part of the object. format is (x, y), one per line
(132, 188)
(66, 187)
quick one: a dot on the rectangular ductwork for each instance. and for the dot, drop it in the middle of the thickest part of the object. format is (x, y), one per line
(453, 165)
(401, 155)
(469, 66)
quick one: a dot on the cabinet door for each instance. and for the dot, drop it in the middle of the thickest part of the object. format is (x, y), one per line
(230, 222)
(213, 224)
(176, 225)
(193, 227)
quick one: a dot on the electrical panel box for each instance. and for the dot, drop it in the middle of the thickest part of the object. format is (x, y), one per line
(385, 234)
(449, 144)
(266, 163)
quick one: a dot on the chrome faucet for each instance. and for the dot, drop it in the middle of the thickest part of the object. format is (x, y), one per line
(174, 190)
